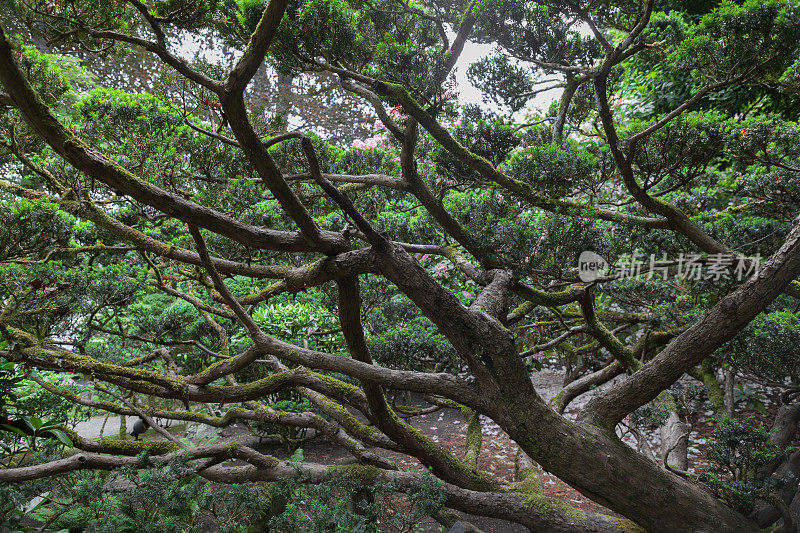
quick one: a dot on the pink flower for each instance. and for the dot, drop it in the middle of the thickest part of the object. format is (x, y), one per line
(539, 356)
(425, 257)
(372, 142)
(439, 268)
(379, 125)
(465, 293)
(448, 94)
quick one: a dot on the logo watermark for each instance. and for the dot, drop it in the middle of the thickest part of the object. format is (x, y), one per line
(697, 267)
(591, 266)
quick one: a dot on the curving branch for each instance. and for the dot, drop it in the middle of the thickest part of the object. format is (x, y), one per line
(256, 49)
(511, 505)
(88, 210)
(606, 338)
(483, 167)
(722, 322)
(96, 165)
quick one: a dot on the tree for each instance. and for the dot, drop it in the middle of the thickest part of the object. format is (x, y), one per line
(163, 242)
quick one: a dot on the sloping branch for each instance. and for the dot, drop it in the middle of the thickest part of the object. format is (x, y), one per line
(722, 322)
(515, 504)
(96, 165)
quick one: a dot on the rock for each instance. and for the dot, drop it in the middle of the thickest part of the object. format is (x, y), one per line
(463, 527)
(202, 432)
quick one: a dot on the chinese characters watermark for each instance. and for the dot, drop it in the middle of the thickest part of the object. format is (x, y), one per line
(695, 267)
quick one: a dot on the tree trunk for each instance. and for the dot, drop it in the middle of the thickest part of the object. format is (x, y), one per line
(603, 468)
(675, 442)
(730, 399)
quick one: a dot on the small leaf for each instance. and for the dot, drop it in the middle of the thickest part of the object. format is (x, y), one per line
(62, 437)
(758, 405)
(297, 457)
(14, 429)
(35, 423)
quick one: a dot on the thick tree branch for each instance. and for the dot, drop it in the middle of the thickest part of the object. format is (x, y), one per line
(721, 323)
(270, 174)
(96, 165)
(440, 460)
(511, 505)
(256, 49)
(608, 340)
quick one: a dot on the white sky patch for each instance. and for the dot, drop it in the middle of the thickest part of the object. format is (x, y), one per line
(469, 94)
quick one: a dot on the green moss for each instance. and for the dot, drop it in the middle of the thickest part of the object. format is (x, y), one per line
(71, 435)
(479, 480)
(265, 294)
(449, 517)
(665, 401)
(364, 473)
(558, 398)
(82, 363)
(135, 447)
(626, 525)
(474, 438)
(524, 308)
(350, 422)
(714, 391)
(530, 488)
(344, 390)
(257, 388)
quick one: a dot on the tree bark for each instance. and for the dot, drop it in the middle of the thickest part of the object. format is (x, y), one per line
(675, 442)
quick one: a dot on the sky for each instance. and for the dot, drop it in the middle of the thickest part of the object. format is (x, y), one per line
(469, 94)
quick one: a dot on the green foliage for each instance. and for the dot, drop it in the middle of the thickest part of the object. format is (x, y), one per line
(297, 321)
(501, 81)
(31, 227)
(54, 76)
(343, 502)
(142, 131)
(767, 347)
(29, 414)
(34, 400)
(493, 218)
(410, 342)
(553, 169)
(291, 436)
(172, 498)
(651, 415)
(332, 29)
(730, 163)
(46, 296)
(483, 133)
(704, 42)
(160, 315)
(10, 379)
(681, 150)
(18, 500)
(738, 452)
(735, 39)
(533, 30)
